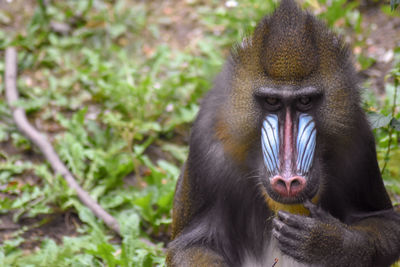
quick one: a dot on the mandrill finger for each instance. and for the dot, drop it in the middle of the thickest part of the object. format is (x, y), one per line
(293, 220)
(282, 227)
(311, 206)
(315, 210)
(288, 246)
(286, 230)
(284, 241)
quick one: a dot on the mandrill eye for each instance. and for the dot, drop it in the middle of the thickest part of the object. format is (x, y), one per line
(304, 103)
(272, 103)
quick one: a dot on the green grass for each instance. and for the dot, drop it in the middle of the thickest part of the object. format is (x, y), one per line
(117, 98)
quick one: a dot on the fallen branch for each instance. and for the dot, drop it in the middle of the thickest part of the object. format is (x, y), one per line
(44, 145)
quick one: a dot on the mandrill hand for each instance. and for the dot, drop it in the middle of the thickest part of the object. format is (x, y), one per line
(319, 239)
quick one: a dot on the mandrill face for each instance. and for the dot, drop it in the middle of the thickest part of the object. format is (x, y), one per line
(288, 144)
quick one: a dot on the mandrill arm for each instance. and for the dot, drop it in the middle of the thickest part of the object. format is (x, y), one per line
(323, 239)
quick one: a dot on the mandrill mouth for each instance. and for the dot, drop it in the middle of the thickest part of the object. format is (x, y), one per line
(288, 153)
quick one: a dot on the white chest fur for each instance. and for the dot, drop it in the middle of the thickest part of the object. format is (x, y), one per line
(271, 253)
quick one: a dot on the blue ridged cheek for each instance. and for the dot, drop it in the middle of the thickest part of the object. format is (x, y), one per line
(270, 143)
(305, 143)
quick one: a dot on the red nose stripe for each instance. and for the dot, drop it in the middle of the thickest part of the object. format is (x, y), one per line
(287, 146)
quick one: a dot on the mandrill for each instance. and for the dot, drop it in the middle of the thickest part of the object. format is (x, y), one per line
(282, 167)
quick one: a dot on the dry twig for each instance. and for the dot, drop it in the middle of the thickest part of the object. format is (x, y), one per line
(44, 145)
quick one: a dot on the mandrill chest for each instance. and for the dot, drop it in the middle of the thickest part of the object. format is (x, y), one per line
(272, 255)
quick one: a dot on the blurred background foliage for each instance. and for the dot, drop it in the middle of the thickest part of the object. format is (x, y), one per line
(115, 85)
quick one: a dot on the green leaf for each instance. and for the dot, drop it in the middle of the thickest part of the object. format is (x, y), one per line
(105, 251)
(87, 216)
(394, 4)
(378, 120)
(129, 225)
(395, 124)
(169, 168)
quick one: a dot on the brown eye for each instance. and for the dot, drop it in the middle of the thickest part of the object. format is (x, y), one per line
(273, 101)
(304, 103)
(304, 100)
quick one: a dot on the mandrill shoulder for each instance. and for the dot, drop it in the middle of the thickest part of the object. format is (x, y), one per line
(204, 143)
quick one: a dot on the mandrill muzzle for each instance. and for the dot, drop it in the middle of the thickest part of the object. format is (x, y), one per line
(288, 160)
